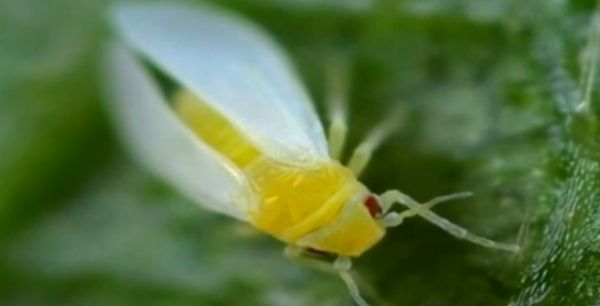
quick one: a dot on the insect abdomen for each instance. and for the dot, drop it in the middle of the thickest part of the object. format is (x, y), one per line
(214, 129)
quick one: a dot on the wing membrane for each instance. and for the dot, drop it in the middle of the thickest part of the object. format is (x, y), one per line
(156, 136)
(235, 68)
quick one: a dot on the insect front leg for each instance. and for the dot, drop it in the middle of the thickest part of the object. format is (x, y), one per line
(363, 152)
(337, 102)
(414, 208)
(341, 266)
(338, 74)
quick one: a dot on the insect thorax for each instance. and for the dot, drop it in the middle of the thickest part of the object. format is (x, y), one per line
(318, 205)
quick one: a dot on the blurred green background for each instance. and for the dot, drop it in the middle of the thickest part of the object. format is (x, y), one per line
(488, 93)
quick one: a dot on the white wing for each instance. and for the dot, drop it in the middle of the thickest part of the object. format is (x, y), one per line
(235, 68)
(156, 136)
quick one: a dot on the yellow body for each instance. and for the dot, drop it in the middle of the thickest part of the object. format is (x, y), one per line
(317, 206)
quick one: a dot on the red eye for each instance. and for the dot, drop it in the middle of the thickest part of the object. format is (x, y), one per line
(372, 205)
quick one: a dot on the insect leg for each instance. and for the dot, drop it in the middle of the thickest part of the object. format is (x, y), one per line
(341, 266)
(362, 154)
(394, 196)
(337, 100)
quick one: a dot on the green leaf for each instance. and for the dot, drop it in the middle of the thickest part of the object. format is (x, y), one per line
(489, 95)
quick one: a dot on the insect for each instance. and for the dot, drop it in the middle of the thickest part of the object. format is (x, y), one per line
(241, 136)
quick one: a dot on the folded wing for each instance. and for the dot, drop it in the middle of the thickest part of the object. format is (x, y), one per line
(154, 135)
(234, 67)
